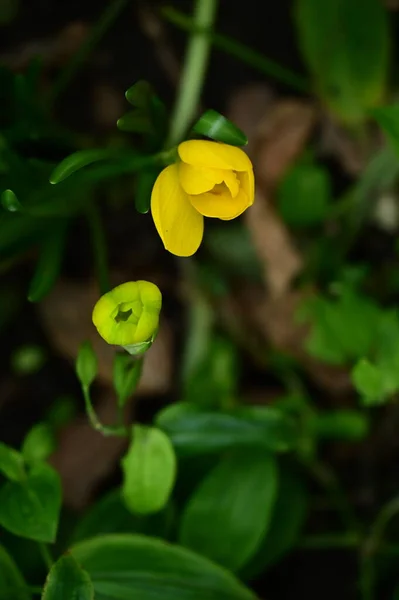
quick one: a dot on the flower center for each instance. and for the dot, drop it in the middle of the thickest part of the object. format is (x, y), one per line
(128, 312)
(123, 315)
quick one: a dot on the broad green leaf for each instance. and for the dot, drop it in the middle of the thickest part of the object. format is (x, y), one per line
(139, 94)
(86, 364)
(145, 180)
(388, 119)
(126, 376)
(31, 509)
(230, 512)
(39, 443)
(136, 121)
(110, 515)
(12, 584)
(149, 469)
(369, 382)
(304, 195)
(343, 424)
(68, 581)
(49, 264)
(215, 126)
(346, 46)
(11, 463)
(124, 567)
(10, 201)
(194, 432)
(79, 160)
(288, 519)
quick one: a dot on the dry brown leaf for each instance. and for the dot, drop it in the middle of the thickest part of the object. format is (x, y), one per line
(66, 317)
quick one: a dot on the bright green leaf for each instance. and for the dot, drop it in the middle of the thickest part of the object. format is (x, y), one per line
(11, 463)
(123, 567)
(369, 382)
(215, 126)
(12, 584)
(10, 201)
(346, 46)
(149, 469)
(31, 509)
(230, 511)
(68, 581)
(39, 443)
(304, 195)
(86, 364)
(49, 264)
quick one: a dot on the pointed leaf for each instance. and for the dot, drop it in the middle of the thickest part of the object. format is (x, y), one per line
(79, 160)
(68, 581)
(12, 584)
(11, 463)
(139, 94)
(49, 264)
(215, 126)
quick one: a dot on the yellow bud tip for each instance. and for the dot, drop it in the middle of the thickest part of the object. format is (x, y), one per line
(128, 314)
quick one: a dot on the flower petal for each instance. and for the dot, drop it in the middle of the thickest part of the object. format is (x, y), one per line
(197, 180)
(222, 205)
(214, 155)
(179, 225)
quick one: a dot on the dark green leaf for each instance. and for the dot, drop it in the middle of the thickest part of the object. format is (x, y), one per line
(110, 515)
(215, 126)
(39, 443)
(10, 201)
(12, 584)
(288, 519)
(195, 432)
(341, 424)
(123, 567)
(86, 364)
(144, 183)
(28, 359)
(388, 119)
(346, 47)
(31, 509)
(304, 195)
(139, 94)
(135, 121)
(68, 581)
(49, 264)
(230, 512)
(79, 160)
(11, 463)
(149, 470)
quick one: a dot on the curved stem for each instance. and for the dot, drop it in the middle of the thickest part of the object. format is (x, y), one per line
(193, 72)
(45, 552)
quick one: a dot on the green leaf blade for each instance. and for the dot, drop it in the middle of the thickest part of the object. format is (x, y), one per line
(68, 581)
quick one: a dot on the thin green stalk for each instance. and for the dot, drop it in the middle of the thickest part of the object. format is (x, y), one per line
(99, 247)
(107, 430)
(46, 555)
(98, 30)
(241, 51)
(194, 71)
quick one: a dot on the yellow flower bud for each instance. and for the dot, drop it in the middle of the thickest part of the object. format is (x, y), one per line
(211, 179)
(128, 315)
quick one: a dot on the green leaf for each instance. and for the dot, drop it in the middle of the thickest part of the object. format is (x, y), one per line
(288, 518)
(28, 359)
(49, 264)
(86, 364)
(341, 424)
(136, 121)
(388, 119)
(215, 126)
(230, 512)
(304, 195)
(11, 463)
(145, 180)
(123, 567)
(10, 201)
(139, 94)
(126, 376)
(68, 581)
(39, 443)
(369, 382)
(31, 509)
(196, 432)
(149, 469)
(12, 584)
(346, 47)
(79, 160)
(110, 515)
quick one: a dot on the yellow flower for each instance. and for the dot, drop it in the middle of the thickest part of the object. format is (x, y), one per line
(210, 180)
(128, 315)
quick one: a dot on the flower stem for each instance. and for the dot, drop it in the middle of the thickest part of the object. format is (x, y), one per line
(45, 552)
(99, 247)
(194, 71)
(107, 430)
(98, 30)
(241, 51)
